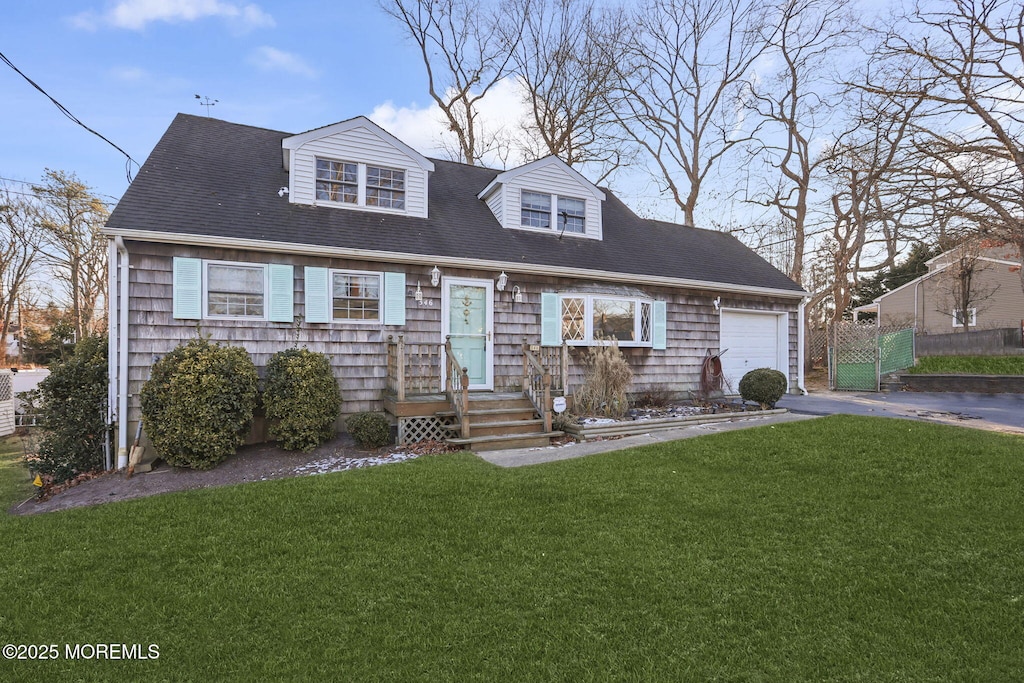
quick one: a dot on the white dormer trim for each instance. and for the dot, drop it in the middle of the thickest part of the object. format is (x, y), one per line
(296, 141)
(359, 146)
(508, 176)
(557, 180)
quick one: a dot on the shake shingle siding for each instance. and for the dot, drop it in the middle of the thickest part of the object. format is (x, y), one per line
(208, 183)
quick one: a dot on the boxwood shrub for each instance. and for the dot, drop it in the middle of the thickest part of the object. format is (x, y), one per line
(370, 430)
(301, 398)
(763, 385)
(198, 403)
(73, 401)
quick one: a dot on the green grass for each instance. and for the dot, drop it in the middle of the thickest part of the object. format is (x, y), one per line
(837, 549)
(969, 365)
(15, 485)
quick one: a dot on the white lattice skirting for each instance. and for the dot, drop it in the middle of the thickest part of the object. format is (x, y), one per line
(414, 429)
(6, 403)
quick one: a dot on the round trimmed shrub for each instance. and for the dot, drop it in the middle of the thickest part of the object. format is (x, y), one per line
(370, 430)
(764, 386)
(73, 402)
(198, 403)
(301, 398)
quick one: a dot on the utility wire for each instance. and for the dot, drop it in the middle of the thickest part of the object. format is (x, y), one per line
(64, 110)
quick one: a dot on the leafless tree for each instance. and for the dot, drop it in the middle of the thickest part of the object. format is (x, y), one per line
(681, 67)
(19, 246)
(467, 48)
(964, 59)
(568, 72)
(962, 285)
(71, 218)
(797, 101)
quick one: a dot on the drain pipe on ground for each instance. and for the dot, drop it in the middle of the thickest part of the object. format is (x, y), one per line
(122, 372)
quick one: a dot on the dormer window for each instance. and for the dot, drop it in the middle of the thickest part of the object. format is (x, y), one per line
(536, 209)
(347, 182)
(337, 181)
(571, 215)
(385, 187)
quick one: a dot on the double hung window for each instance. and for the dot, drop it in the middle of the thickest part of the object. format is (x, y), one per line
(355, 296)
(347, 182)
(235, 290)
(535, 212)
(337, 181)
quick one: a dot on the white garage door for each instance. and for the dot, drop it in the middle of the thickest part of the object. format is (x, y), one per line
(752, 340)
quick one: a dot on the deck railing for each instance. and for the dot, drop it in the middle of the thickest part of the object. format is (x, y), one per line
(457, 389)
(537, 385)
(414, 368)
(556, 360)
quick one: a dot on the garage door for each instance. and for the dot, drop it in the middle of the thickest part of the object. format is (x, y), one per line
(752, 340)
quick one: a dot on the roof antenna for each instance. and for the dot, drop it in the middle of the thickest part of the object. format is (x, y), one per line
(206, 102)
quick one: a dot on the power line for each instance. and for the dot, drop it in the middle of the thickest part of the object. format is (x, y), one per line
(64, 110)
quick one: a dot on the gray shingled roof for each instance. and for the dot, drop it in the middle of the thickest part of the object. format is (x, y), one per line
(210, 177)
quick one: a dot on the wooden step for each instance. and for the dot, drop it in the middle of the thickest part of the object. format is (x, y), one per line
(494, 414)
(506, 427)
(499, 442)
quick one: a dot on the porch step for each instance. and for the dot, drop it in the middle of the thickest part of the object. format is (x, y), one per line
(497, 428)
(494, 414)
(499, 442)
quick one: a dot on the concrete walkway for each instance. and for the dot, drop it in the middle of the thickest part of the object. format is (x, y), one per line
(992, 412)
(518, 457)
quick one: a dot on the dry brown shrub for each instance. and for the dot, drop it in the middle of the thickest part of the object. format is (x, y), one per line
(605, 383)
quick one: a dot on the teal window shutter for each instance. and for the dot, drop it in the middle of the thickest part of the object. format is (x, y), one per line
(550, 319)
(282, 290)
(394, 298)
(660, 332)
(318, 300)
(188, 288)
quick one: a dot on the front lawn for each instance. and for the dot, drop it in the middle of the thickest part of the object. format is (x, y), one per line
(15, 484)
(969, 365)
(835, 549)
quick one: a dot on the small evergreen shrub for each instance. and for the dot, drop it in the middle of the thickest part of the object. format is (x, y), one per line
(301, 398)
(605, 383)
(73, 401)
(370, 430)
(764, 386)
(198, 403)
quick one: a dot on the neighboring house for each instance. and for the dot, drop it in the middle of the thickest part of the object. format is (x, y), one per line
(346, 240)
(928, 303)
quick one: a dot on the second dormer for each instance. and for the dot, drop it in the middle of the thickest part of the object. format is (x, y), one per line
(356, 165)
(546, 195)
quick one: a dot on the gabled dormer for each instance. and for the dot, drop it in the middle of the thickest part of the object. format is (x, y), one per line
(356, 165)
(546, 195)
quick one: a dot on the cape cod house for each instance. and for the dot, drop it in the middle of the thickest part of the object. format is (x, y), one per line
(431, 285)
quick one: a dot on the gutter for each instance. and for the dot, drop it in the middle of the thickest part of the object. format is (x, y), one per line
(122, 366)
(111, 346)
(450, 261)
(800, 347)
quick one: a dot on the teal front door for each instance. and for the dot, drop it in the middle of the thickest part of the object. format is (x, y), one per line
(468, 322)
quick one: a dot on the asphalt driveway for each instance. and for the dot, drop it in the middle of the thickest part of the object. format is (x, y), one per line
(996, 412)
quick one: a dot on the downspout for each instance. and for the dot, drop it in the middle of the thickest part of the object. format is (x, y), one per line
(111, 348)
(800, 347)
(122, 372)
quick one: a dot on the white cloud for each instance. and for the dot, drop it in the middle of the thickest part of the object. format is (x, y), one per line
(130, 74)
(272, 59)
(137, 14)
(425, 129)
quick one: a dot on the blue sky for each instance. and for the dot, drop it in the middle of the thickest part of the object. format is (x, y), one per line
(126, 67)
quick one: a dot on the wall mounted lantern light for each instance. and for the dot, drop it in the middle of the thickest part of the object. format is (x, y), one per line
(517, 294)
(435, 276)
(502, 281)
